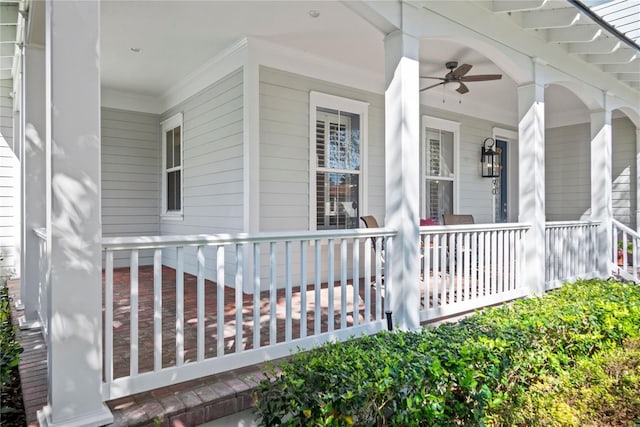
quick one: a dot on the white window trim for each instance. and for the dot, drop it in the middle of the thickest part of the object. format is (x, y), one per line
(318, 99)
(171, 123)
(448, 126)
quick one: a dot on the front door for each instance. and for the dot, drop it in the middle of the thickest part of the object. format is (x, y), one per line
(500, 190)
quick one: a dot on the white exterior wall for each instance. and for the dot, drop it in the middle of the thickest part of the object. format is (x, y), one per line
(284, 161)
(212, 167)
(624, 171)
(130, 163)
(9, 187)
(568, 173)
(284, 148)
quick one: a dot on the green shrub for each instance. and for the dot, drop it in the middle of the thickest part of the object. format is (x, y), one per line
(478, 371)
(9, 349)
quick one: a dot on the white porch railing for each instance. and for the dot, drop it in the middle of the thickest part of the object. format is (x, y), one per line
(625, 256)
(465, 267)
(245, 328)
(571, 251)
(43, 282)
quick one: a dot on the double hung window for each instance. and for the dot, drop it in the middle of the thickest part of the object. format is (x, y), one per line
(439, 167)
(337, 161)
(172, 159)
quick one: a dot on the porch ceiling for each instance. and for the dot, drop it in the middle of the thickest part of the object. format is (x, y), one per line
(174, 38)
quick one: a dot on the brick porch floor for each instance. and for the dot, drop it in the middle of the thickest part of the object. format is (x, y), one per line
(189, 403)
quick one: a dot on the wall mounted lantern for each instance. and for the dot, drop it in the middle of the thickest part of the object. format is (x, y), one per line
(489, 159)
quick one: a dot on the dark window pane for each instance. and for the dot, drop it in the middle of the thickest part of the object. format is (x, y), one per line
(173, 191)
(169, 148)
(176, 147)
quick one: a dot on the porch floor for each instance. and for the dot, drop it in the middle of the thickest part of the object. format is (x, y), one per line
(185, 404)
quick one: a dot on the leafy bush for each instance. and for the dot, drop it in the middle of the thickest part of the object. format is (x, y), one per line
(482, 370)
(9, 351)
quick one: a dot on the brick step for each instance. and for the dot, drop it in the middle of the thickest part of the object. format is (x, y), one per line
(190, 403)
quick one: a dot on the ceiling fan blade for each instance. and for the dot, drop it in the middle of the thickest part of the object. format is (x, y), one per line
(462, 70)
(462, 89)
(481, 77)
(435, 78)
(429, 87)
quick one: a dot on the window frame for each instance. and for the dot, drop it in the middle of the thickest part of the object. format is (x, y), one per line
(172, 122)
(351, 106)
(430, 122)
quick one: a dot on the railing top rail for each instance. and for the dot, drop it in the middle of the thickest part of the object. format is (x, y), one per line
(579, 223)
(41, 232)
(626, 229)
(148, 242)
(437, 229)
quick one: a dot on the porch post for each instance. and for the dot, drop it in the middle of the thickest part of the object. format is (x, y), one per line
(33, 179)
(601, 182)
(638, 179)
(72, 114)
(402, 138)
(531, 182)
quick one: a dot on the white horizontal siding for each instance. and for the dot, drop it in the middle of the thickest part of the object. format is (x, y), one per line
(568, 172)
(9, 188)
(130, 175)
(624, 172)
(213, 167)
(284, 148)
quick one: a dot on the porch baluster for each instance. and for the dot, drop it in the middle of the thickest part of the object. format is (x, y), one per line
(179, 306)
(239, 301)
(303, 288)
(256, 295)
(108, 317)
(317, 307)
(355, 247)
(200, 302)
(220, 300)
(157, 310)
(288, 292)
(367, 279)
(273, 296)
(343, 283)
(330, 283)
(133, 296)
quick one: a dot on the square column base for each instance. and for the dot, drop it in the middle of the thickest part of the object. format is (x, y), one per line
(99, 418)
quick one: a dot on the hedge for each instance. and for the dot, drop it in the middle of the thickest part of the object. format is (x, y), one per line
(493, 368)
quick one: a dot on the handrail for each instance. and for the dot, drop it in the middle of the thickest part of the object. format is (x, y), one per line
(626, 229)
(436, 229)
(152, 242)
(560, 224)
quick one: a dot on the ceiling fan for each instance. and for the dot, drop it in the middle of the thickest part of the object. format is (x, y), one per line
(459, 75)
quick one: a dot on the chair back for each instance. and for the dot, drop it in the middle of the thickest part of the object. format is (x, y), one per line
(370, 221)
(457, 219)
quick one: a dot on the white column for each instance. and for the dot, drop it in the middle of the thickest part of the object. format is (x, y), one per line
(73, 215)
(33, 180)
(601, 203)
(402, 142)
(531, 182)
(638, 179)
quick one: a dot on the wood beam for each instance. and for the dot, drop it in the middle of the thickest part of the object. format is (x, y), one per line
(550, 18)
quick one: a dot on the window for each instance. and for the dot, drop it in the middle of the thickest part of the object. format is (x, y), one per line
(337, 153)
(440, 142)
(172, 166)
